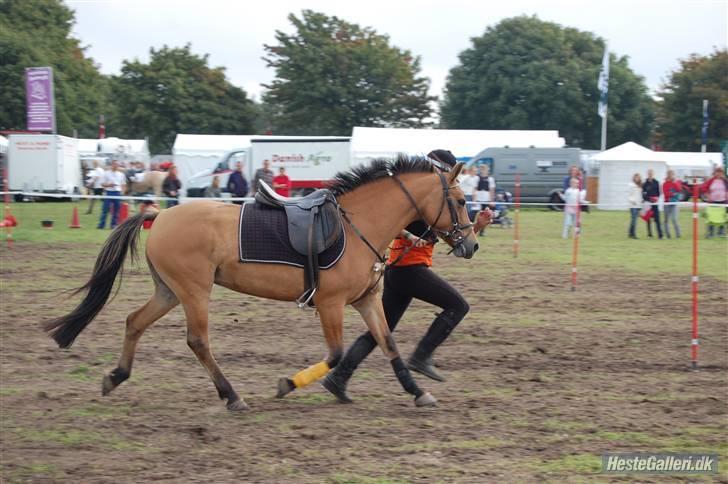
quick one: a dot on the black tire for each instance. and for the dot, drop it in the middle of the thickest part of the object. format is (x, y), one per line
(556, 203)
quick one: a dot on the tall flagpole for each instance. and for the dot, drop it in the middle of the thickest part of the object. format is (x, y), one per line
(603, 86)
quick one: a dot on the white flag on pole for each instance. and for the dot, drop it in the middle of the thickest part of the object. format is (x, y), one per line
(603, 83)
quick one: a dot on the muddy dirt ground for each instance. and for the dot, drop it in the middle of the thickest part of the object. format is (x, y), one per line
(541, 381)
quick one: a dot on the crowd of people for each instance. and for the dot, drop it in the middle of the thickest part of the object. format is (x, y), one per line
(643, 199)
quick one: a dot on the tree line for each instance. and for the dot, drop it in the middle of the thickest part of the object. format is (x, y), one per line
(331, 75)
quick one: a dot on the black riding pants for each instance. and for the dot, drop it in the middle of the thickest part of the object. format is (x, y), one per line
(401, 285)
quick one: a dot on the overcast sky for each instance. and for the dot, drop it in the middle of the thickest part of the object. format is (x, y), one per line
(653, 33)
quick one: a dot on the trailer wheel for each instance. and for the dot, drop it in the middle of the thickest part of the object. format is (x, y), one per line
(555, 202)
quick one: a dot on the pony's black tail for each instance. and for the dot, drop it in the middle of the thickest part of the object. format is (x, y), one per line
(108, 264)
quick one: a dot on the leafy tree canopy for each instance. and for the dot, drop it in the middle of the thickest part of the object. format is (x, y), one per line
(525, 73)
(332, 75)
(177, 92)
(681, 110)
(37, 33)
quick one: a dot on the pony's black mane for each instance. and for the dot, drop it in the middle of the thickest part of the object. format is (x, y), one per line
(346, 181)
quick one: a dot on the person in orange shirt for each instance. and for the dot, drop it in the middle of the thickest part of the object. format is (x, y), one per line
(408, 276)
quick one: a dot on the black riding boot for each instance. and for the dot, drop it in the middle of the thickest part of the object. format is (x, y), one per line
(337, 379)
(421, 359)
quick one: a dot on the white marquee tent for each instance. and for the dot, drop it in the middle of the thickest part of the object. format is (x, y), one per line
(369, 143)
(194, 153)
(618, 164)
(125, 149)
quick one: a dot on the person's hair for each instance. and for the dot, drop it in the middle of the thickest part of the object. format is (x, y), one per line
(486, 166)
(282, 168)
(172, 172)
(215, 181)
(639, 179)
(670, 175)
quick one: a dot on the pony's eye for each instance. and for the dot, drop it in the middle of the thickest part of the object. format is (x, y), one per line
(461, 202)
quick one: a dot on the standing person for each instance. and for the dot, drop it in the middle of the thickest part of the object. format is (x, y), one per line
(282, 184)
(672, 190)
(484, 191)
(171, 186)
(651, 194)
(265, 174)
(635, 203)
(468, 184)
(237, 185)
(95, 179)
(214, 190)
(408, 276)
(573, 200)
(716, 189)
(114, 182)
(573, 173)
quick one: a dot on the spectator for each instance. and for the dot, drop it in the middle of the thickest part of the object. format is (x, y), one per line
(95, 179)
(468, 184)
(672, 191)
(282, 184)
(635, 203)
(171, 186)
(651, 194)
(214, 191)
(114, 182)
(716, 189)
(237, 185)
(573, 173)
(574, 197)
(484, 190)
(265, 174)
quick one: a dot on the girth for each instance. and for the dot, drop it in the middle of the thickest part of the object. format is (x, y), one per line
(314, 225)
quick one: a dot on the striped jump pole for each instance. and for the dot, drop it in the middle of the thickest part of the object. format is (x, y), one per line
(695, 342)
(516, 229)
(577, 236)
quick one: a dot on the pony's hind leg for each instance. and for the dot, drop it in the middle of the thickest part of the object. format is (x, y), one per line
(137, 322)
(196, 311)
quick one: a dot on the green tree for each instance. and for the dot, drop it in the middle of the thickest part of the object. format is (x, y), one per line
(680, 114)
(36, 33)
(177, 92)
(525, 73)
(332, 75)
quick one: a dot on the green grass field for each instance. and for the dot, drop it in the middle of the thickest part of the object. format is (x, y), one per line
(604, 243)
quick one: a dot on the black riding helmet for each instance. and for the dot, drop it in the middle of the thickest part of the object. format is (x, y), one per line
(445, 157)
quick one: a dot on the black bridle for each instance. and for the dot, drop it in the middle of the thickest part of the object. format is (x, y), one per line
(455, 234)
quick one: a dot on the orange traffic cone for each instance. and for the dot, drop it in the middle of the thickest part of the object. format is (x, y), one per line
(75, 222)
(123, 212)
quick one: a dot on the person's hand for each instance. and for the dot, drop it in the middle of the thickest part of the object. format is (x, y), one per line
(484, 218)
(420, 243)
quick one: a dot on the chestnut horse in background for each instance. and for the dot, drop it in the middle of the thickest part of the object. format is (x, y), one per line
(193, 246)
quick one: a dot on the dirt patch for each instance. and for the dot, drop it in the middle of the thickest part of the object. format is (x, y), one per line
(541, 381)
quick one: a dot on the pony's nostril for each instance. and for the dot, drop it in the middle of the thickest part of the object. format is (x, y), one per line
(475, 248)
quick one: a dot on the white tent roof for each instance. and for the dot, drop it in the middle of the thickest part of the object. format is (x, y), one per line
(676, 159)
(628, 151)
(374, 142)
(88, 146)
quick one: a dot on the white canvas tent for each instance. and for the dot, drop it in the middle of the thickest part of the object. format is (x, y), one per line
(369, 143)
(691, 164)
(616, 167)
(194, 153)
(122, 149)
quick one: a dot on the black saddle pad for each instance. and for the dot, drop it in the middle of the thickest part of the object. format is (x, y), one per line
(263, 238)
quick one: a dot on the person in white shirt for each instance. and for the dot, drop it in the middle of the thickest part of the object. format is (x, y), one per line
(484, 190)
(95, 178)
(114, 181)
(573, 199)
(468, 183)
(634, 198)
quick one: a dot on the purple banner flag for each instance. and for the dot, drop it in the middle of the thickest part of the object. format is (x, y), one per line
(39, 99)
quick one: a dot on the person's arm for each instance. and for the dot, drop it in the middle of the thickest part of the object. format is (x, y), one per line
(482, 220)
(416, 241)
(491, 186)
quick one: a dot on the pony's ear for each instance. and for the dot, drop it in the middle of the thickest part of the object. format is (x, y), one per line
(455, 172)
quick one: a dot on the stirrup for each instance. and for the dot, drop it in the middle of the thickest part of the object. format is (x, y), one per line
(301, 302)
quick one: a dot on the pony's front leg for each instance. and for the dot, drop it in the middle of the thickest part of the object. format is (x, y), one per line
(370, 308)
(332, 322)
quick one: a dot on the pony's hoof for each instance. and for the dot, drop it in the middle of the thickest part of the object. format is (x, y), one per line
(107, 385)
(284, 387)
(238, 406)
(426, 400)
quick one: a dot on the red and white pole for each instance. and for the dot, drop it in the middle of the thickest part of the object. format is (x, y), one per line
(7, 215)
(577, 234)
(695, 341)
(516, 230)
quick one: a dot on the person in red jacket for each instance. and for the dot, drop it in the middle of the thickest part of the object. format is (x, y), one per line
(672, 190)
(408, 276)
(281, 183)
